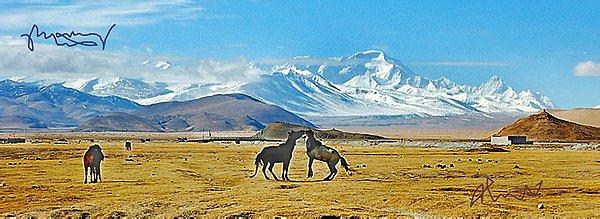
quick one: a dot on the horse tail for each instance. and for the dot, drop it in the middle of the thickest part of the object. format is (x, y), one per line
(345, 165)
(257, 162)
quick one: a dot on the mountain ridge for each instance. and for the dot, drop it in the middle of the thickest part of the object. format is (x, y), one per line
(54, 105)
(363, 84)
(44, 104)
(238, 110)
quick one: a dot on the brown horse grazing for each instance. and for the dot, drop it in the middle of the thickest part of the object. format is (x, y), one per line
(91, 159)
(278, 154)
(316, 150)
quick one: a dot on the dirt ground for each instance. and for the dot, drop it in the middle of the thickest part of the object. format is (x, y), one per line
(192, 179)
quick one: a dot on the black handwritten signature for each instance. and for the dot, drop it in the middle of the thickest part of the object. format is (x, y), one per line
(70, 42)
(518, 193)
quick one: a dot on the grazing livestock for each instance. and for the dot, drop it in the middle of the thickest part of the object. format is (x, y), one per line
(91, 160)
(278, 154)
(316, 150)
(128, 145)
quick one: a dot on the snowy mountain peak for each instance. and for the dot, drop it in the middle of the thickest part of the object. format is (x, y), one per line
(18, 78)
(495, 79)
(128, 88)
(369, 55)
(444, 82)
(493, 86)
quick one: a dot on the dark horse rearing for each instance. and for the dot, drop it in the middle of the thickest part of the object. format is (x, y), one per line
(278, 154)
(316, 150)
(91, 159)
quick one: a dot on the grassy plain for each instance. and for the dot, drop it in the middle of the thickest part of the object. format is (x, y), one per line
(192, 179)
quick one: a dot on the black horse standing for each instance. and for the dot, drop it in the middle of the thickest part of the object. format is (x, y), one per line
(278, 154)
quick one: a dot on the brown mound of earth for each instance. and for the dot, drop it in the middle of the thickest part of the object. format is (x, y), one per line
(279, 130)
(543, 126)
(118, 122)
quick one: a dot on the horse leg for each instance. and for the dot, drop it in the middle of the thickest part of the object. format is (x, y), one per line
(264, 170)
(335, 171)
(85, 170)
(284, 173)
(271, 170)
(332, 170)
(99, 175)
(92, 174)
(329, 175)
(310, 171)
(95, 174)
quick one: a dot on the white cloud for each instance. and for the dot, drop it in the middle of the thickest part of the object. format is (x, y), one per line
(463, 63)
(588, 68)
(11, 41)
(53, 62)
(98, 14)
(224, 70)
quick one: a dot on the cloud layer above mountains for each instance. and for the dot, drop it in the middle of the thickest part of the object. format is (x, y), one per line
(53, 62)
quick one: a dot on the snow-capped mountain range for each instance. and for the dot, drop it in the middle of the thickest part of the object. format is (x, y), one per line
(364, 84)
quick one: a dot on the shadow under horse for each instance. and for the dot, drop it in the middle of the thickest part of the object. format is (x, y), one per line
(278, 154)
(91, 160)
(316, 150)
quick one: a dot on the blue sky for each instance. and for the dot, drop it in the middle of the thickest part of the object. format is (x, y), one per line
(548, 46)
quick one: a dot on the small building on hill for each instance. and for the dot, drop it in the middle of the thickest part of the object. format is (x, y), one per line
(509, 140)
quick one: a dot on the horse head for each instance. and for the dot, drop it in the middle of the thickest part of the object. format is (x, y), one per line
(295, 135)
(97, 151)
(95, 147)
(309, 133)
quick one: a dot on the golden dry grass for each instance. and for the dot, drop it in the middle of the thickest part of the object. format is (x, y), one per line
(188, 179)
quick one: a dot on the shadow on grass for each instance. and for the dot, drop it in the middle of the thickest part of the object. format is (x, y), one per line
(307, 181)
(121, 181)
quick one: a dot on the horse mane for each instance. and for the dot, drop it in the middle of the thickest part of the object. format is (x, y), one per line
(314, 142)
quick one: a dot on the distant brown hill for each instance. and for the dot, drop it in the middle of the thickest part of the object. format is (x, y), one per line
(279, 130)
(18, 122)
(117, 122)
(222, 112)
(584, 116)
(543, 126)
